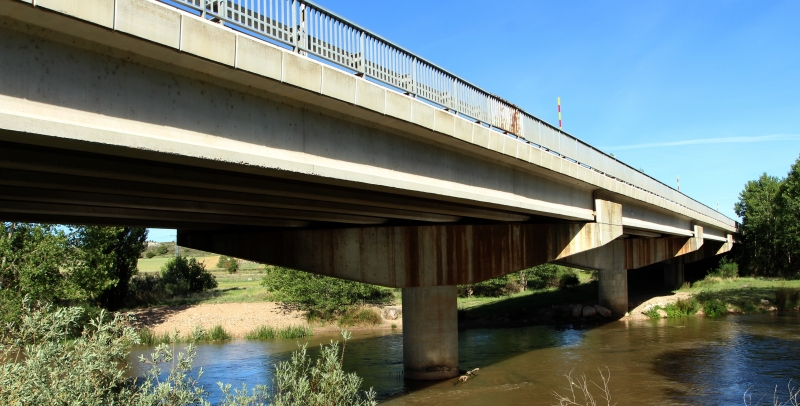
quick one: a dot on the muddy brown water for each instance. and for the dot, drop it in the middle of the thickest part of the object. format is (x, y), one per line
(689, 361)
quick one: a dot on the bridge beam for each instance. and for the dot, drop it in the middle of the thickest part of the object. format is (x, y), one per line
(415, 256)
(613, 261)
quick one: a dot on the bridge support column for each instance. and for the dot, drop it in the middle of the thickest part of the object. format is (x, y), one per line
(613, 287)
(674, 274)
(430, 332)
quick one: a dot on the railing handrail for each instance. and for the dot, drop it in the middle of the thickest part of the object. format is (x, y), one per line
(293, 20)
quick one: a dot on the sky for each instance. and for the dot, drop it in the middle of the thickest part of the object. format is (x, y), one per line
(708, 91)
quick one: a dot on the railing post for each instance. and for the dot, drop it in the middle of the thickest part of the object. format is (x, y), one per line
(203, 8)
(414, 84)
(362, 59)
(295, 34)
(303, 40)
(453, 99)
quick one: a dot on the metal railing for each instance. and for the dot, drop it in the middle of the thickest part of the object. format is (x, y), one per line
(310, 29)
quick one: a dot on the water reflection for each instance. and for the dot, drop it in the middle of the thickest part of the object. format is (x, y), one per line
(667, 362)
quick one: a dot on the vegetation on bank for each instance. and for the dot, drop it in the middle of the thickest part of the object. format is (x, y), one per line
(322, 297)
(770, 232)
(46, 363)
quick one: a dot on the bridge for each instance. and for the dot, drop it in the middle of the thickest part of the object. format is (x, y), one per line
(279, 132)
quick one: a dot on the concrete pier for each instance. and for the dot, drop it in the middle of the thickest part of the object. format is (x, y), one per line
(430, 332)
(613, 287)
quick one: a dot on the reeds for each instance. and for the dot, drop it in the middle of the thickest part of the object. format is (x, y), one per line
(269, 332)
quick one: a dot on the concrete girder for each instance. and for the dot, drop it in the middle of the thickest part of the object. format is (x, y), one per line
(709, 249)
(415, 256)
(24, 194)
(52, 181)
(115, 215)
(30, 158)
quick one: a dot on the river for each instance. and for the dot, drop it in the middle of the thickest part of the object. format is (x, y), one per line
(689, 361)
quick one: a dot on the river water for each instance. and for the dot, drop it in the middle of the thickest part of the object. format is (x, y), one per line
(689, 361)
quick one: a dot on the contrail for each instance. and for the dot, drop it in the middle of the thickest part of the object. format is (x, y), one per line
(724, 140)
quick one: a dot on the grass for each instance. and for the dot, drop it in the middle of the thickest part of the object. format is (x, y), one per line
(198, 334)
(717, 295)
(361, 316)
(742, 295)
(269, 332)
(154, 264)
(478, 307)
(241, 287)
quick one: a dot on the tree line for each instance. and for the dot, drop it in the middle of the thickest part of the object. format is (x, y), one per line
(770, 231)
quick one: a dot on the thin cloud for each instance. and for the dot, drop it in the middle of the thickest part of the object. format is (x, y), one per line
(724, 140)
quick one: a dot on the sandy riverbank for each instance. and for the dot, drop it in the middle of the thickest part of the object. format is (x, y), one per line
(236, 318)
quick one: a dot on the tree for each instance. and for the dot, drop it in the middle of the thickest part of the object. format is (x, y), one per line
(31, 259)
(108, 258)
(182, 275)
(788, 205)
(322, 296)
(761, 225)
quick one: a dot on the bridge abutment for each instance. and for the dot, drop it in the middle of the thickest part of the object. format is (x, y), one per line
(430, 332)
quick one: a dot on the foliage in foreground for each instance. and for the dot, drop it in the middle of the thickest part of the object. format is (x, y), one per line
(792, 397)
(322, 296)
(579, 392)
(41, 365)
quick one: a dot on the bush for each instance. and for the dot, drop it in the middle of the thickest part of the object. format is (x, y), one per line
(787, 298)
(183, 275)
(321, 296)
(227, 263)
(162, 249)
(726, 269)
(59, 370)
(149, 254)
(682, 308)
(551, 276)
(301, 382)
(712, 307)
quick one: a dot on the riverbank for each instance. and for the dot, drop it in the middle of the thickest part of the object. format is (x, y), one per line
(239, 319)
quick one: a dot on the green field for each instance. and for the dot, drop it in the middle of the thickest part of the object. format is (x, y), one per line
(243, 286)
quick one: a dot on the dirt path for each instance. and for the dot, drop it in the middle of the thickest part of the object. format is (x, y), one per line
(236, 318)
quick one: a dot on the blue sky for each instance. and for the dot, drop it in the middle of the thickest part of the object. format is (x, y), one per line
(708, 91)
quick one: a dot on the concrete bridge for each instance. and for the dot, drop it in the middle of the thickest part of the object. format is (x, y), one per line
(279, 132)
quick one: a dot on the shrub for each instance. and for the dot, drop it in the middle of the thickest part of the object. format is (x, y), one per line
(682, 308)
(162, 249)
(227, 263)
(181, 275)
(58, 370)
(149, 254)
(301, 382)
(787, 298)
(652, 312)
(712, 306)
(322, 296)
(551, 276)
(726, 269)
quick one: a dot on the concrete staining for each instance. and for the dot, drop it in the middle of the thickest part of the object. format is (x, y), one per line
(130, 112)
